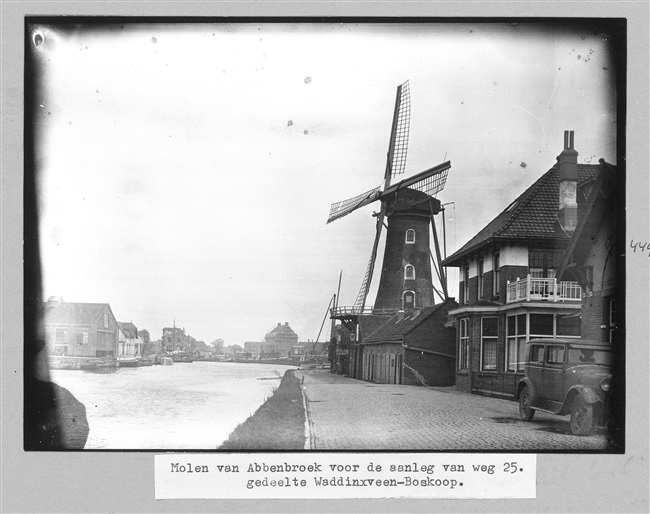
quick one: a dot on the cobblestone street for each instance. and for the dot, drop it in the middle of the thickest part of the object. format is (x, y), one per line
(349, 414)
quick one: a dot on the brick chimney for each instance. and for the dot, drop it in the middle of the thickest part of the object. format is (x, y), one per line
(568, 168)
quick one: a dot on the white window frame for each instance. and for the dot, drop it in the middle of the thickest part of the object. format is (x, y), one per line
(495, 273)
(463, 344)
(404, 298)
(515, 339)
(485, 339)
(411, 240)
(106, 320)
(481, 278)
(406, 272)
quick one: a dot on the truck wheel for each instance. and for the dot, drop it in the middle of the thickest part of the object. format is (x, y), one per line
(582, 415)
(526, 413)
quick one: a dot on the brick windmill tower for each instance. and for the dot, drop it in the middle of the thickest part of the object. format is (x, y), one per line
(409, 207)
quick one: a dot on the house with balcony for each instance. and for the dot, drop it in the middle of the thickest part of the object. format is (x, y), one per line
(509, 289)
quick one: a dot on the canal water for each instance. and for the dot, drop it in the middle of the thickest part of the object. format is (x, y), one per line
(185, 406)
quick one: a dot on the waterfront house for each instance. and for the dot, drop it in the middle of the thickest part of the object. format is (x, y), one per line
(80, 329)
(129, 345)
(283, 338)
(509, 292)
(413, 348)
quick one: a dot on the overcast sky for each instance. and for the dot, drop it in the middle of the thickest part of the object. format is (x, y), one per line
(187, 170)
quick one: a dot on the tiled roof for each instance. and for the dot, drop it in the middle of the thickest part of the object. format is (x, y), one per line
(395, 329)
(281, 329)
(129, 329)
(370, 323)
(532, 216)
(74, 313)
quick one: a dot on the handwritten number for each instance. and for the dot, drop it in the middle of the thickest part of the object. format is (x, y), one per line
(640, 246)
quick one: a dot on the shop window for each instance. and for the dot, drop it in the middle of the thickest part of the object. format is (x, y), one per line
(489, 334)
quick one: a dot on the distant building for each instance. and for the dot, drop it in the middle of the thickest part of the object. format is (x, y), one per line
(233, 350)
(129, 345)
(309, 351)
(80, 329)
(175, 339)
(261, 350)
(283, 338)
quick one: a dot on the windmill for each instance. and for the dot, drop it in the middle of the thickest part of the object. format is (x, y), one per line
(409, 206)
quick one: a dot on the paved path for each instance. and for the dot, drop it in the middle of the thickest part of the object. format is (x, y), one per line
(349, 414)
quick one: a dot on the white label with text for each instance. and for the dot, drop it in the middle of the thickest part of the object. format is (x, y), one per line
(345, 475)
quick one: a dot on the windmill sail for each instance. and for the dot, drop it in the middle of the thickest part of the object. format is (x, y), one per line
(430, 181)
(340, 209)
(398, 146)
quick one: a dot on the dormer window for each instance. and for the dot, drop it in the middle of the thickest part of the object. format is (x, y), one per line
(410, 236)
(409, 272)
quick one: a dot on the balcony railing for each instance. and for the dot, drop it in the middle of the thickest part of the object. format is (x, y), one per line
(542, 289)
(354, 311)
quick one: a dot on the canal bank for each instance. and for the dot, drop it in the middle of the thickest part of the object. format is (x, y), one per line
(279, 424)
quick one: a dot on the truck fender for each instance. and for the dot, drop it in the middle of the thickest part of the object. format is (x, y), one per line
(586, 392)
(528, 383)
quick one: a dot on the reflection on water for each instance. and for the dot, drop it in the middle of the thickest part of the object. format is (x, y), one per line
(184, 406)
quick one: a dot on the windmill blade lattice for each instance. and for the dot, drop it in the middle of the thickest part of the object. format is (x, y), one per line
(401, 136)
(432, 184)
(340, 209)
